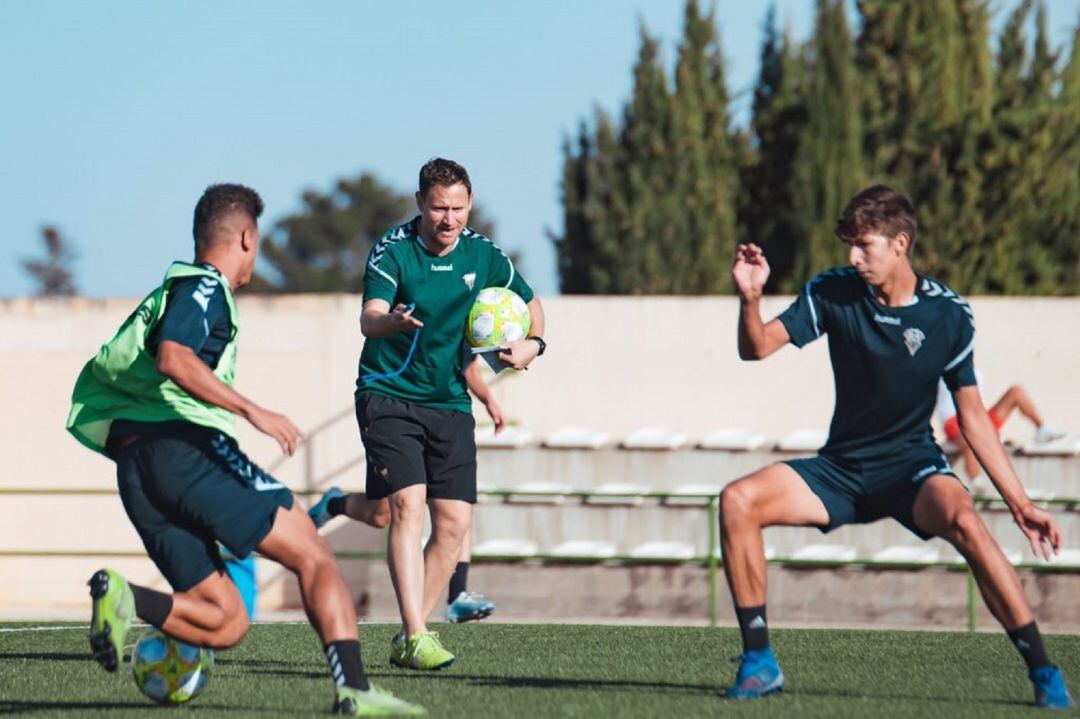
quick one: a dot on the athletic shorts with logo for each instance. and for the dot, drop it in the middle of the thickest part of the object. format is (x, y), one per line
(860, 491)
(186, 491)
(409, 444)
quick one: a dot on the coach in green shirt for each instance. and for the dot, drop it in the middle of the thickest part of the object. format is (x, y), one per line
(412, 405)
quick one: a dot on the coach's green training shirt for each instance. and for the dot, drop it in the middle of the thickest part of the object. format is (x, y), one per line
(886, 360)
(401, 270)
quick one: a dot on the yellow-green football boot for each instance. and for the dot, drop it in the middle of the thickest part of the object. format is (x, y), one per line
(423, 650)
(374, 702)
(114, 609)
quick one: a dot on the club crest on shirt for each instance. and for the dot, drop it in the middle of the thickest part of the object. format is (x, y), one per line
(913, 339)
(469, 279)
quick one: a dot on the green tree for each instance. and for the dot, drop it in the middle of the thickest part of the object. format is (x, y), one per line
(828, 167)
(53, 273)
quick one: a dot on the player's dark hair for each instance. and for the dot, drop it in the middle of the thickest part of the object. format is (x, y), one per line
(217, 202)
(439, 171)
(880, 209)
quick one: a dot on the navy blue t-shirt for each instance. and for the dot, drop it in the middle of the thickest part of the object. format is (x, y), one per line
(886, 360)
(196, 316)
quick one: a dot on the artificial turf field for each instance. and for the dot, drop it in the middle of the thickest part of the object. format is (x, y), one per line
(529, 671)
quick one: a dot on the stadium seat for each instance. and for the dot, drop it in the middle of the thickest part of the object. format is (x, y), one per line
(1040, 495)
(654, 438)
(733, 439)
(907, 555)
(584, 549)
(577, 438)
(1067, 446)
(1069, 558)
(803, 440)
(523, 548)
(685, 495)
(509, 438)
(673, 551)
(545, 493)
(824, 553)
(617, 493)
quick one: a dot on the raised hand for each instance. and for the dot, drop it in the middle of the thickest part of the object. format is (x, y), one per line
(750, 271)
(278, 426)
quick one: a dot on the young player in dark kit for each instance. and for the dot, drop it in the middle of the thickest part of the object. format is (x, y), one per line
(412, 404)
(158, 399)
(892, 334)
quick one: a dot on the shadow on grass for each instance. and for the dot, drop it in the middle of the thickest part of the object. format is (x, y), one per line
(25, 707)
(887, 697)
(49, 656)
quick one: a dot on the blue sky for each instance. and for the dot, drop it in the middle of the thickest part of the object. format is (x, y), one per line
(117, 114)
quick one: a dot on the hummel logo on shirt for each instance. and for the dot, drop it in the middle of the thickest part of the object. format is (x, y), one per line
(757, 623)
(886, 320)
(441, 268)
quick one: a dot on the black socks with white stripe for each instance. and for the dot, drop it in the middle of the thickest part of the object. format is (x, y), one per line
(345, 664)
(754, 628)
(1028, 641)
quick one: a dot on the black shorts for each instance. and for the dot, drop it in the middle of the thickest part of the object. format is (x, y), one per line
(187, 491)
(409, 444)
(860, 491)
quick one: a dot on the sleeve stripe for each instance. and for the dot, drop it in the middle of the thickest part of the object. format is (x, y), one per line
(813, 310)
(512, 272)
(960, 357)
(388, 277)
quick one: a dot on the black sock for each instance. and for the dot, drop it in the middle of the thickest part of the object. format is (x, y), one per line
(754, 628)
(345, 664)
(151, 606)
(1030, 644)
(336, 506)
(458, 580)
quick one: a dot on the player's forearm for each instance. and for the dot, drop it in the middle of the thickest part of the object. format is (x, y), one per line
(751, 330)
(476, 383)
(536, 317)
(981, 436)
(192, 375)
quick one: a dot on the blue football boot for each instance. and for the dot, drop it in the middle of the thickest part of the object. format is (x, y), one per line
(759, 674)
(320, 512)
(1050, 689)
(468, 607)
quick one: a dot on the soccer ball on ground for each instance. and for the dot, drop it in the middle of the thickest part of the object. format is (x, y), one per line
(169, 671)
(498, 316)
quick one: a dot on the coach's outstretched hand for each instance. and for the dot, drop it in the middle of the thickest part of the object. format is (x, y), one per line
(750, 271)
(278, 426)
(1040, 528)
(401, 319)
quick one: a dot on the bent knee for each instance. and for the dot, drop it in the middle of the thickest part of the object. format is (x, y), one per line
(966, 528)
(736, 502)
(381, 517)
(233, 631)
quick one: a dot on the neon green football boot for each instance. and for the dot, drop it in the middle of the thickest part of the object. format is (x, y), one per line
(114, 608)
(423, 650)
(374, 702)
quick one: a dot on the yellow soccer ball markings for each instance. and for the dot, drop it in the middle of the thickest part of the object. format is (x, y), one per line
(498, 316)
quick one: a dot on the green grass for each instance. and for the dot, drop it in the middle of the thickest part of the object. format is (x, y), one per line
(535, 671)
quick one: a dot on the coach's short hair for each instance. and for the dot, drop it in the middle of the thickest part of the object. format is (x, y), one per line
(217, 202)
(440, 171)
(880, 209)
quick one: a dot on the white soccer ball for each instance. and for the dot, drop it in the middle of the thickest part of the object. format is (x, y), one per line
(169, 671)
(498, 316)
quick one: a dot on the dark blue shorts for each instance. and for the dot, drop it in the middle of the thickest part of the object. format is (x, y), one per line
(860, 491)
(186, 491)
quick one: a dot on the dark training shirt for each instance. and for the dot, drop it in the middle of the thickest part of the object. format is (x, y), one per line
(886, 360)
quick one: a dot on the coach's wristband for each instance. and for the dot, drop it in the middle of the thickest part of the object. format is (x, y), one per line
(539, 341)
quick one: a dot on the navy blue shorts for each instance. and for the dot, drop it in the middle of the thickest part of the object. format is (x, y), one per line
(860, 491)
(189, 490)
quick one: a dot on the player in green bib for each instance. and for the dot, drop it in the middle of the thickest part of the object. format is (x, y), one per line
(412, 404)
(158, 399)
